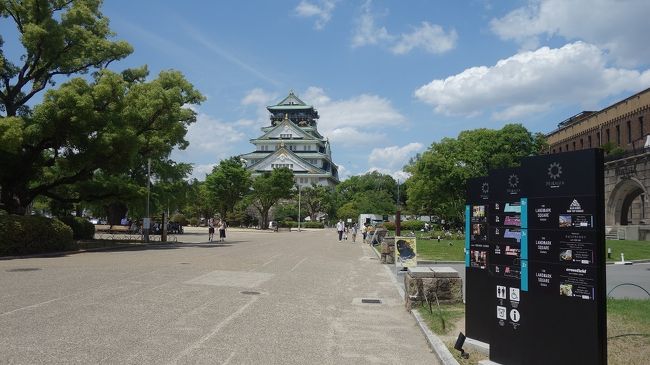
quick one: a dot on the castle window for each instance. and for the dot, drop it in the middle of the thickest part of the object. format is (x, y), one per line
(285, 135)
(618, 135)
(629, 132)
(589, 141)
(641, 126)
(598, 137)
(607, 132)
(582, 144)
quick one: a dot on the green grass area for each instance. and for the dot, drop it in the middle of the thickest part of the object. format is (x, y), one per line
(442, 320)
(452, 250)
(633, 250)
(628, 330)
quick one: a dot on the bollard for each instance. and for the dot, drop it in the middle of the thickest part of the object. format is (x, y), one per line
(622, 257)
(609, 253)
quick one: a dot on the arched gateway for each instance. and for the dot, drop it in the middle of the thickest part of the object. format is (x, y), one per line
(627, 182)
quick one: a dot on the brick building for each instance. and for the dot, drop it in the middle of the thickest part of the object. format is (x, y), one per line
(624, 128)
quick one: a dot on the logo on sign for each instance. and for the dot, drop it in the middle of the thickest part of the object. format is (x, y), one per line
(501, 292)
(514, 294)
(554, 172)
(501, 312)
(575, 207)
(514, 315)
(485, 188)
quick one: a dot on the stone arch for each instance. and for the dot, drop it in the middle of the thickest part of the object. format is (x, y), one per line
(620, 200)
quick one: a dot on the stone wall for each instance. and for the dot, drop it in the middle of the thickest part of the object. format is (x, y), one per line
(427, 283)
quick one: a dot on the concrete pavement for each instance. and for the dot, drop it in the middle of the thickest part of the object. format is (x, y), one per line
(196, 303)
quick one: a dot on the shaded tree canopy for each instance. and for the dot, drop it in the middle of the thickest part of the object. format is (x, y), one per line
(89, 138)
(439, 175)
(268, 189)
(227, 184)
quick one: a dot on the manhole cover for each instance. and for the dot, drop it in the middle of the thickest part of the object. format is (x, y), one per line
(371, 301)
(184, 263)
(250, 292)
(24, 269)
(373, 258)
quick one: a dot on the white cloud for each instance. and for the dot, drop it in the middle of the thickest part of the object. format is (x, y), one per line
(366, 31)
(431, 38)
(259, 99)
(258, 96)
(619, 26)
(358, 120)
(394, 157)
(200, 171)
(398, 175)
(210, 139)
(532, 81)
(322, 11)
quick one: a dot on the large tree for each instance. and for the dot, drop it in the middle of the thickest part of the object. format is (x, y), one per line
(439, 175)
(227, 184)
(268, 189)
(90, 138)
(315, 198)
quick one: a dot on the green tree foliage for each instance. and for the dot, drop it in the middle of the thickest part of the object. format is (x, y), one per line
(439, 175)
(89, 139)
(227, 184)
(373, 193)
(315, 198)
(268, 189)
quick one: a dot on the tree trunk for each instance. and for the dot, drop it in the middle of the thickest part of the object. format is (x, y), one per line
(13, 202)
(116, 211)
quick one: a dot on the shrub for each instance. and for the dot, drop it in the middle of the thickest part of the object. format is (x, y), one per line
(194, 222)
(23, 235)
(413, 225)
(389, 226)
(179, 218)
(82, 229)
(313, 225)
(288, 224)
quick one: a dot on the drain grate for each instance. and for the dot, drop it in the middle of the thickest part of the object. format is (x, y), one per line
(23, 269)
(250, 292)
(184, 263)
(371, 301)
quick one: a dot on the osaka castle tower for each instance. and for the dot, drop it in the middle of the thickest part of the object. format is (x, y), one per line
(292, 140)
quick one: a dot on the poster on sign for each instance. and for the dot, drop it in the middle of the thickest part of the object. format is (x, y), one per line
(406, 251)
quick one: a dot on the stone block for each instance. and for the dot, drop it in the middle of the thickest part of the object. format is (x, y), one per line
(445, 272)
(421, 286)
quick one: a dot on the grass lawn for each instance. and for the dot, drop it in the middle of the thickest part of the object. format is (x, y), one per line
(633, 250)
(628, 316)
(442, 251)
(626, 319)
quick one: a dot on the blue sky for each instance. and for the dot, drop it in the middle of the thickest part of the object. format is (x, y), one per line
(387, 77)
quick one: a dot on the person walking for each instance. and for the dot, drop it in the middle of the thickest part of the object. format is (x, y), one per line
(222, 230)
(210, 229)
(364, 232)
(353, 231)
(340, 227)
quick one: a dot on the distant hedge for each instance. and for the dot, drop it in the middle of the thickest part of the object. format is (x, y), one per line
(389, 226)
(313, 225)
(413, 225)
(82, 229)
(24, 235)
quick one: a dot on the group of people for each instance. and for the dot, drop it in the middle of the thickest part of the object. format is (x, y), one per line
(352, 230)
(218, 224)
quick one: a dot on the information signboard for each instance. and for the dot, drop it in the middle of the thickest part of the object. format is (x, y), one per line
(544, 261)
(406, 251)
(478, 312)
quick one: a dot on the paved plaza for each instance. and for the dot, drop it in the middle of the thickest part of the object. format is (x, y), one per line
(197, 303)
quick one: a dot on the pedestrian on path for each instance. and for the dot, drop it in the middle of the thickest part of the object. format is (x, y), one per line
(222, 230)
(364, 232)
(353, 231)
(340, 227)
(210, 229)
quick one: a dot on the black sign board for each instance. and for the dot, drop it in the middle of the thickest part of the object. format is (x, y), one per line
(478, 314)
(544, 261)
(566, 258)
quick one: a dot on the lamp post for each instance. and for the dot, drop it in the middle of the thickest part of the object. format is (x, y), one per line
(146, 221)
(398, 215)
(298, 207)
